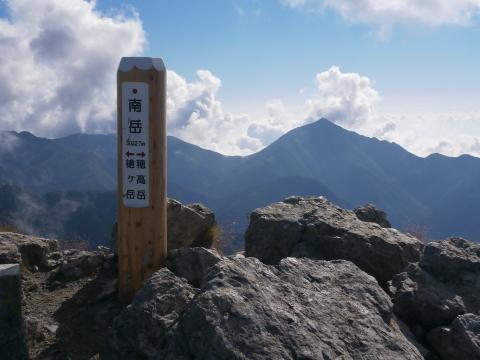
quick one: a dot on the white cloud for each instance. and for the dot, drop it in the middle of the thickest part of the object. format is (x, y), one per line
(423, 134)
(8, 141)
(386, 13)
(277, 122)
(347, 99)
(58, 61)
(197, 116)
(351, 101)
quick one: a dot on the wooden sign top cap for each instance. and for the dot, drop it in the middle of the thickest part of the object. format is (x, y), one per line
(141, 63)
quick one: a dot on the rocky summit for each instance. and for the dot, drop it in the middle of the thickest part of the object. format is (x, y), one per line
(315, 228)
(316, 282)
(298, 309)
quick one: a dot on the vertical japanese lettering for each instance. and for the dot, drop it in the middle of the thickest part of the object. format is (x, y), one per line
(135, 144)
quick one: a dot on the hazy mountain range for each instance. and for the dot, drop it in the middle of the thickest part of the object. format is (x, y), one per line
(438, 193)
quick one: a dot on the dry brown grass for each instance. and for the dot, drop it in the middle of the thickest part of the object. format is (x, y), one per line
(74, 244)
(11, 228)
(213, 237)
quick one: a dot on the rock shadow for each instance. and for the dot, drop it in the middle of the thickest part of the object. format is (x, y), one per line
(83, 320)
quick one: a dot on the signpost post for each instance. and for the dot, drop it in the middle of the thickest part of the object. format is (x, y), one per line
(142, 171)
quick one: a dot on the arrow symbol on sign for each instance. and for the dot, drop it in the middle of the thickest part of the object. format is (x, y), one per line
(142, 154)
(128, 153)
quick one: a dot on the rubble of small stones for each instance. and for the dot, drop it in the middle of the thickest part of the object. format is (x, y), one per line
(75, 264)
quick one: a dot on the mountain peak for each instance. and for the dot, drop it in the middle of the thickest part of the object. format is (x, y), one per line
(323, 123)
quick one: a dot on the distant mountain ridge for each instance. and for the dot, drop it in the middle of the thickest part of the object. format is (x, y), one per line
(321, 158)
(77, 162)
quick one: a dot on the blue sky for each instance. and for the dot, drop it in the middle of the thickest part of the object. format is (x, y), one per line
(279, 50)
(243, 72)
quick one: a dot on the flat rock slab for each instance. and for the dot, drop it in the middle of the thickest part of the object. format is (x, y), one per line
(315, 228)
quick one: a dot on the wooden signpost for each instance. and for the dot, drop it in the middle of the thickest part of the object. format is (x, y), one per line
(142, 172)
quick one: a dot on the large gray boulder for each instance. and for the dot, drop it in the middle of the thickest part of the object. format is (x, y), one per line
(315, 228)
(188, 226)
(192, 264)
(298, 309)
(459, 341)
(444, 284)
(447, 260)
(139, 331)
(370, 213)
(25, 249)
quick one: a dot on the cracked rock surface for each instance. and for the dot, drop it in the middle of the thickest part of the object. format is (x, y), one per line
(315, 228)
(298, 309)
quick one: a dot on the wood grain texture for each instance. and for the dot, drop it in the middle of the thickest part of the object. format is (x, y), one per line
(142, 232)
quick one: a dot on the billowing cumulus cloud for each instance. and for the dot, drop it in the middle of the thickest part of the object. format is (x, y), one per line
(423, 134)
(386, 13)
(276, 122)
(347, 99)
(197, 116)
(58, 61)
